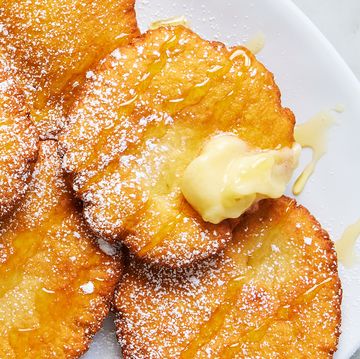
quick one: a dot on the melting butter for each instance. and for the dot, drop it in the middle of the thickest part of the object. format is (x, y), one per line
(228, 177)
(172, 21)
(312, 134)
(256, 43)
(345, 246)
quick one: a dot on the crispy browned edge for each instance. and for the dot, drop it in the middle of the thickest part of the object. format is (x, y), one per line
(7, 207)
(108, 305)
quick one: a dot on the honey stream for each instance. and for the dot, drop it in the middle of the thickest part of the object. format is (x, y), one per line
(312, 134)
(172, 21)
(345, 245)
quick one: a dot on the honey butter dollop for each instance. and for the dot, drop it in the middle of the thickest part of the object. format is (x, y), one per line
(229, 176)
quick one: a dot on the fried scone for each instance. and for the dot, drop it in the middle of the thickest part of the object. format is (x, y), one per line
(144, 116)
(18, 140)
(274, 292)
(55, 284)
(55, 42)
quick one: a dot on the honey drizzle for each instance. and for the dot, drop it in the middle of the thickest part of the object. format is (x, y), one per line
(133, 219)
(4, 122)
(345, 245)
(27, 244)
(283, 313)
(191, 97)
(312, 134)
(127, 107)
(64, 94)
(196, 93)
(113, 163)
(172, 21)
(222, 105)
(207, 332)
(46, 305)
(166, 228)
(216, 320)
(157, 239)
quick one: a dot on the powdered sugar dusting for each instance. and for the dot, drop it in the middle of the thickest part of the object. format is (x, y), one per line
(146, 113)
(49, 266)
(54, 43)
(88, 288)
(106, 247)
(18, 139)
(247, 301)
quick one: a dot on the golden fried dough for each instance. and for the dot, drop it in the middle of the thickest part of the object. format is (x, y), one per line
(53, 44)
(18, 140)
(144, 116)
(273, 293)
(55, 284)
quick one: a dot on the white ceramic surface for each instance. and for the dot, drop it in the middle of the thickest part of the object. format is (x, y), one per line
(339, 21)
(312, 77)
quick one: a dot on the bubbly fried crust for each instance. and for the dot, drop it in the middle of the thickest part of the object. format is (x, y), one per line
(144, 116)
(54, 42)
(273, 293)
(18, 140)
(55, 284)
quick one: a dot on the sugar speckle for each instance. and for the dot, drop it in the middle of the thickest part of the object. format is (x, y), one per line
(88, 287)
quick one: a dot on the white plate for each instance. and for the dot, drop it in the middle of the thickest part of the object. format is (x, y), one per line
(312, 77)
